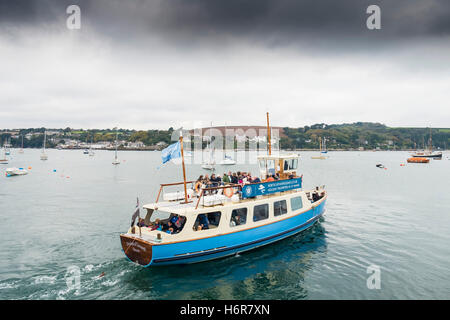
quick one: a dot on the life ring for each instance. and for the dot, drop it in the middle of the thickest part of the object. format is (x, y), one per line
(228, 192)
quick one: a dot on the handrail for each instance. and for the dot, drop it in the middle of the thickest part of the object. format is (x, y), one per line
(215, 188)
(162, 185)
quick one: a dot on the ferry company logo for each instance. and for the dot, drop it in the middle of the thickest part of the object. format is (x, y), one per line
(248, 191)
(262, 188)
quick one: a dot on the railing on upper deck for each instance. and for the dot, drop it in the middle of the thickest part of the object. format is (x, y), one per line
(162, 185)
(238, 189)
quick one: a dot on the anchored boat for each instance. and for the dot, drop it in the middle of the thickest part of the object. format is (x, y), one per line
(418, 160)
(207, 223)
(428, 153)
(15, 171)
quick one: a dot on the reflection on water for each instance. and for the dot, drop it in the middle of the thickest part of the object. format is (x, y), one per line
(264, 273)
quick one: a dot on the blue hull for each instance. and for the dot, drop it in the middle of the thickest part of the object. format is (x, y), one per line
(230, 244)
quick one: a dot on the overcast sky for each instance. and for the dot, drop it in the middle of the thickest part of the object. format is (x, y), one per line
(171, 63)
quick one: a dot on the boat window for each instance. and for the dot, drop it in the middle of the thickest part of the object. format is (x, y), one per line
(290, 164)
(208, 220)
(296, 203)
(238, 217)
(279, 208)
(294, 164)
(262, 168)
(152, 215)
(261, 212)
(271, 167)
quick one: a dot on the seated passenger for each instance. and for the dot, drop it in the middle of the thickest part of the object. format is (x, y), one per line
(226, 179)
(256, 180)
(204, 222)
(270, 179)
(141, 223)
(157, 225)
(315, 196)
(180, 222)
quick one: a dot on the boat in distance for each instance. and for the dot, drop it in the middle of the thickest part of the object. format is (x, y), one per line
(16, 171)
(211, 222)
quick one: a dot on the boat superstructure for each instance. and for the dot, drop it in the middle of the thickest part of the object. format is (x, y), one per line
(209, 222)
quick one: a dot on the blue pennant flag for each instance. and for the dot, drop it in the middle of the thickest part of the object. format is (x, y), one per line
(171, 152)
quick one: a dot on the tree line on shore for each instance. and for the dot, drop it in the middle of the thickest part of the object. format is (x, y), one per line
(338, 136)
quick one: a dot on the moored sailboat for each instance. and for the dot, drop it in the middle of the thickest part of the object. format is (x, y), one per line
(209, 163)
(215, 222)
(44, 156)
(116, 161)
(320, 156)
(21, 148)
(429, 153)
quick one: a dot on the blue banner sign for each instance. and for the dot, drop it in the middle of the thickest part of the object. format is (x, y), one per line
(259, 189)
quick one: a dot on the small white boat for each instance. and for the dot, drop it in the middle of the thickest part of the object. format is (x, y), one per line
(16, 172)
(210, 163)
(227, 160)
(208, 166)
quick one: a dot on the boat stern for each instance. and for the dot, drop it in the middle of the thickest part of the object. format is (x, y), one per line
(136, 249)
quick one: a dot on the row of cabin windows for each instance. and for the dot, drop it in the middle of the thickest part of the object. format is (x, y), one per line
(239, 216)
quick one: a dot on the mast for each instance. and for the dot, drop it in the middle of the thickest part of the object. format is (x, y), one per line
(430, 143)
(184, 169)
(115, 153)
(45, 136)
(268, 135)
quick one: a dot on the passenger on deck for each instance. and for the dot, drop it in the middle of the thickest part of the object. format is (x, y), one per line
(235, 221)
(270, 179)
(156, 225)
(226, 178)
(234, 178)
(256, 180)
(141, 223)
(198, 184)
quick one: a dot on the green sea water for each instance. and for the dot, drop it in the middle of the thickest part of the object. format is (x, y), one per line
(68, 213)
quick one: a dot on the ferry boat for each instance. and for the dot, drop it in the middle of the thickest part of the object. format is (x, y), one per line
(214, 222)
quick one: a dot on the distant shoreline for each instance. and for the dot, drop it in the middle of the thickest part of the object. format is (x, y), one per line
(287, 150)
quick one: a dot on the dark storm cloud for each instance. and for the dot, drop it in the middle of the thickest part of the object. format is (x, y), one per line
(275, 20)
